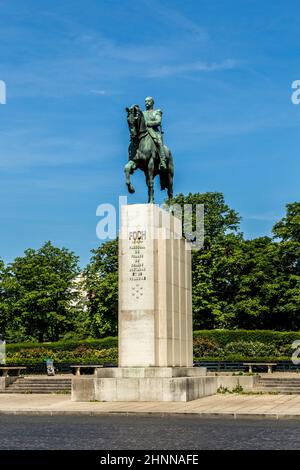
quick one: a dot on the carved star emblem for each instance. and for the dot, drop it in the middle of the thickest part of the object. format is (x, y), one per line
(137, 291)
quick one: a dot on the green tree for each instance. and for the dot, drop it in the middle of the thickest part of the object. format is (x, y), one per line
(219, 218)
(268, 290)
(216, 266)
(241, 283)
(251, 305)
(3, 299)
(102, 286)
(287, 232)
(288, 228)
(41, 291)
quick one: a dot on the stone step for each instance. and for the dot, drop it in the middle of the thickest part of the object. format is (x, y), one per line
(297, 379)
(279, 384)
(32, 384)
(50, 382)
(37, 391)
(279, 391)
(40, 385)
(283, 384)
(25, 379)
(50, 379)
(278, 388)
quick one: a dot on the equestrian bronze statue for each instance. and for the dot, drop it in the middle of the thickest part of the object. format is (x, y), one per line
(147, 150)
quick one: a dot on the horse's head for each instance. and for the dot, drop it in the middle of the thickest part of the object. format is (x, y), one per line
(133, 118)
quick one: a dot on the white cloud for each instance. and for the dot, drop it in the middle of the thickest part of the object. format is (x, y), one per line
(263, 217)
(34, 147)
(81, 59)
(171, 16)
(99, 92)
(168, 70)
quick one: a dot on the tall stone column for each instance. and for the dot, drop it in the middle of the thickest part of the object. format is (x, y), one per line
(155, 317)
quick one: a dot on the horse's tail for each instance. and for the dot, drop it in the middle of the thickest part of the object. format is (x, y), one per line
(164, 176)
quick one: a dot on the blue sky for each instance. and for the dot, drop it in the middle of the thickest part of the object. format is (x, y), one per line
(221, 71)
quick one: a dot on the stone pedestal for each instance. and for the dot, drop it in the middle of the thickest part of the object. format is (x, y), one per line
(145, 384)
(155, 312)
(155, 316)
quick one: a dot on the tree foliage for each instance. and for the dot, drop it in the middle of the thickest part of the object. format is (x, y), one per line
(102, 287)
(4, 300)
(39, 288)
(288, 228)
(238, 283)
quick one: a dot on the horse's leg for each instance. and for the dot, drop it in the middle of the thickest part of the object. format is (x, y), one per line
(170, 188)
(129, 169)
(170, 173)
(147, 178)
(151, 179)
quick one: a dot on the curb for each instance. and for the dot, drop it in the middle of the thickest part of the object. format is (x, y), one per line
(161, 414)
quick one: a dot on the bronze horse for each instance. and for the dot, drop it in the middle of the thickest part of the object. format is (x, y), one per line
(143, 154)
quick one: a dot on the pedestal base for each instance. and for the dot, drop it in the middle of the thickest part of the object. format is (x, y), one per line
(144, 384)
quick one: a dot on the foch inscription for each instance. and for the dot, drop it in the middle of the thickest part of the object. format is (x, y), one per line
(137, 269)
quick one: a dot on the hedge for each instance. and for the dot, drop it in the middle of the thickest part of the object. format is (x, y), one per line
(80, 355)
(88, 351)
(103, 343)
(209, 345)
(238, 358)
(223, 337)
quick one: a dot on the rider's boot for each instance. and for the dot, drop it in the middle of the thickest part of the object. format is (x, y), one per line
(163, 163)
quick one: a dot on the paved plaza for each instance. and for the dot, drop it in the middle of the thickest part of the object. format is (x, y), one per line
(224, 405)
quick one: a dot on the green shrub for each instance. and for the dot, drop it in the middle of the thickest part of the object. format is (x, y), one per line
(103, 343)
(82, 354)
(204, 347)
(241, 358)
(286, 350)
(238, 388)
(224, 337)
(251, 349)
